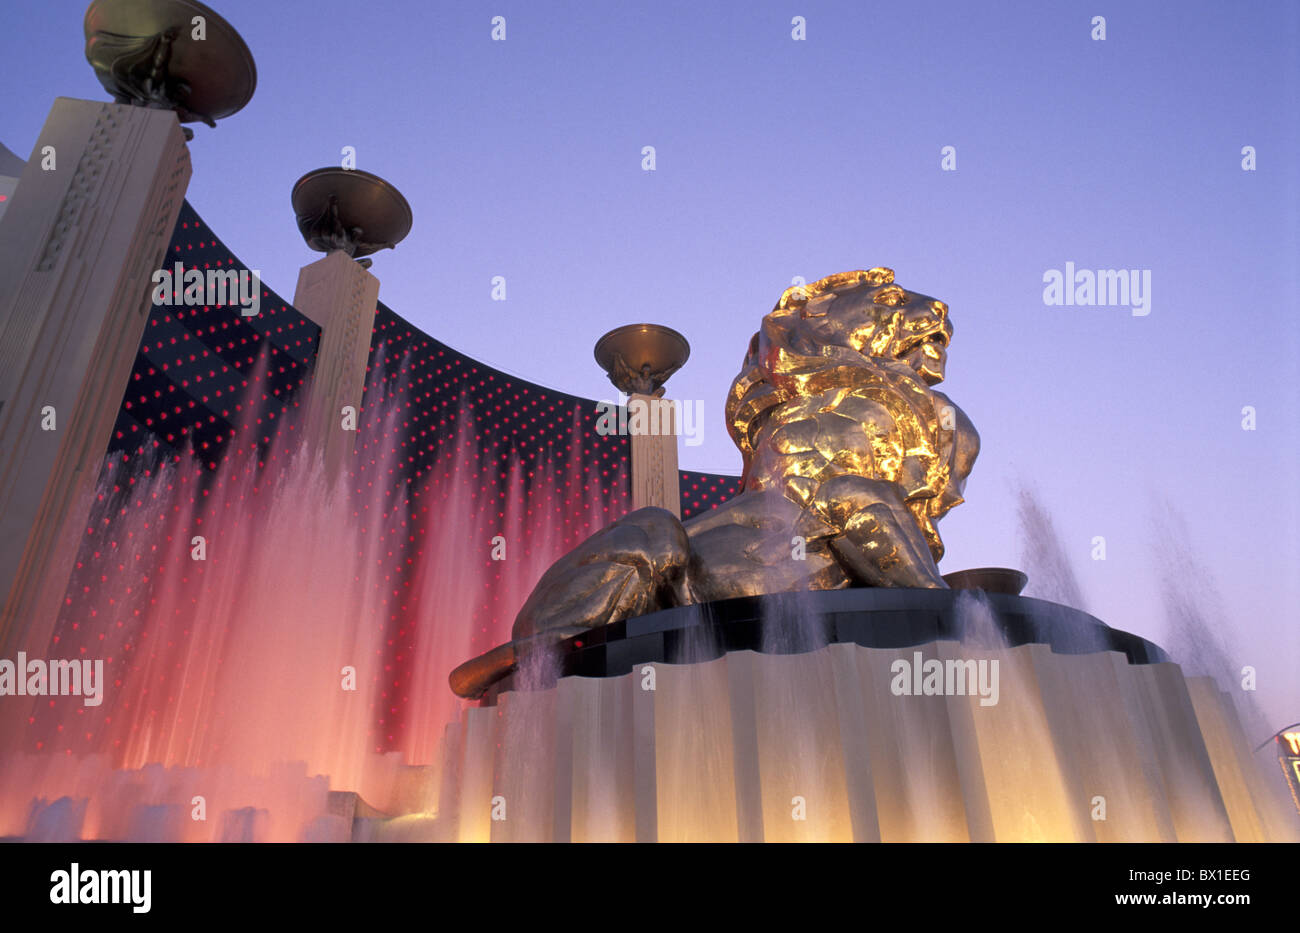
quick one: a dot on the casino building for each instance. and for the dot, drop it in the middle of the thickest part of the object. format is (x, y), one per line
(221, 574)
(214, 394)
(278, 559)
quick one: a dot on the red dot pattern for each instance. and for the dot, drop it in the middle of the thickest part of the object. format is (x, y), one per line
(703, 491)
(213, 394)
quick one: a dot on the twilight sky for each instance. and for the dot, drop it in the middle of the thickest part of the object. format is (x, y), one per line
(778, 158)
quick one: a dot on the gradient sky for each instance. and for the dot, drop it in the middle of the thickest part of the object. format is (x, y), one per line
(778, 158)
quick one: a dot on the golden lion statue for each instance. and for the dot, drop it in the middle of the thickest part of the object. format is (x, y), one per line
(850, 456)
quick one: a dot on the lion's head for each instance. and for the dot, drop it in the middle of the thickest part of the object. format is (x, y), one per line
(843, 320)
(867, 312)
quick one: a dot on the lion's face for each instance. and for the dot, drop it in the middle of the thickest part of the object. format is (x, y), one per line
(867, 312)
(887, 322)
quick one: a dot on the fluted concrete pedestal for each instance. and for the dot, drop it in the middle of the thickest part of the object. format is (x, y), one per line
(88, 225)
(1090, 736)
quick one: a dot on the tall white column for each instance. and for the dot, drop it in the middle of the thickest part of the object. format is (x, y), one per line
(340, 296)
(86, 228)
(655, 480)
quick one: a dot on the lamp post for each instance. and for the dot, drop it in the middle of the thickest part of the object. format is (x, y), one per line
(348, 215)
(639, 358)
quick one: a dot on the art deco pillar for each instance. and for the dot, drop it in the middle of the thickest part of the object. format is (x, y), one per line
(655, 480)
(78, 246)
(340, 296)
(639, 358)
(347, 214)
(10, 168)
(87, 226)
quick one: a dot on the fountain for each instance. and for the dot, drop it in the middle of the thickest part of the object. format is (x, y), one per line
(792, 666)
(279, 616)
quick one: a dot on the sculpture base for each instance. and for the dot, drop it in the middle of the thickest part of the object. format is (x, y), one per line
(864, 715)
(790, 623)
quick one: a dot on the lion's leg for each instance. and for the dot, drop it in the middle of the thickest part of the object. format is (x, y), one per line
(634, 566)
(879, 542)
(747, 546)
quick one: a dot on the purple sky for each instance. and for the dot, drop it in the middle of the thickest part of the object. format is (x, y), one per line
(778, 158)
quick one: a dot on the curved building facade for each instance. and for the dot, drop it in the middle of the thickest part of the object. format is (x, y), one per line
(464, 480)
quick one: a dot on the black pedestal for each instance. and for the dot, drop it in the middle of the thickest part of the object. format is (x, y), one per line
(788, 623)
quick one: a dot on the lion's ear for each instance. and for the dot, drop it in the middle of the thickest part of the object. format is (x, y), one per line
(793, 298)
(878, 276)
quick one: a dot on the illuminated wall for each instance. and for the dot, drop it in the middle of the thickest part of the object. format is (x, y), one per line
(216, 396)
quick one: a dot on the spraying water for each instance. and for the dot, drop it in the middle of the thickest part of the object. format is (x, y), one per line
(1043, 557)
(271, 632)
(1201, 637)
